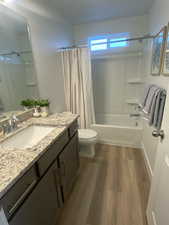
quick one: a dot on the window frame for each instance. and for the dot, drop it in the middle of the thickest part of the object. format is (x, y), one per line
(109, 40)
(98, 38)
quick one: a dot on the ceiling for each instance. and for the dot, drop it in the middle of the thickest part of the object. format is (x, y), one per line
(84, 11)
(13, 21)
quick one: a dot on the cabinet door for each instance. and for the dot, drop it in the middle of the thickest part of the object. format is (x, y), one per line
(17, 194)
(69, 164)
(42, 206)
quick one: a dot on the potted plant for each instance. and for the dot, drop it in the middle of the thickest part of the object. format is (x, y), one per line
(27, 103)
(44, 105)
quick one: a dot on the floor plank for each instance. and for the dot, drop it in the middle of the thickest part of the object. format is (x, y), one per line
(112, 189)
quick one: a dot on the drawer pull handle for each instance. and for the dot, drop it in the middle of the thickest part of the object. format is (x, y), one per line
(21, 199)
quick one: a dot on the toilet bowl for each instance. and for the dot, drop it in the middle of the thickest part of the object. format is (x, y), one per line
(87, 141)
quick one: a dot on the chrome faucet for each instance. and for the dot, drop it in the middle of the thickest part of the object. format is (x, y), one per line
(10, 125)
(13, 122)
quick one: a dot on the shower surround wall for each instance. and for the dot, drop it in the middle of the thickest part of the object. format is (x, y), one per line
(114, 90)
(116, 94)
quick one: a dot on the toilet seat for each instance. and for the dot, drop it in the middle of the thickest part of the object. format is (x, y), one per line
(87, 135)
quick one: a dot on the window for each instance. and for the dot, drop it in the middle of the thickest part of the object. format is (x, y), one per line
(105, 43)
(122, 42)
(98, 44)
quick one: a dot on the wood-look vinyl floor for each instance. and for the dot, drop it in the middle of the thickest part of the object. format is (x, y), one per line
(111, 189)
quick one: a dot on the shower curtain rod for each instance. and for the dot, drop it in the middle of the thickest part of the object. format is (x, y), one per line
(129, 39)
(15, 53)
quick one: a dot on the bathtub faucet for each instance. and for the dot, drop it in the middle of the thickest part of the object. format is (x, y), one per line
(134, 115)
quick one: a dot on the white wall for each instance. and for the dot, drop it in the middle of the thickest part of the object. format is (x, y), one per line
(158, 17)
(49, 31)
(136, 26)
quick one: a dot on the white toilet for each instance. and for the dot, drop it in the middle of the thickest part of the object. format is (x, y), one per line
(87, 140)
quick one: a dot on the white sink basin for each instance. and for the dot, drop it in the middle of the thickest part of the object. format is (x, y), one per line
(28, 137)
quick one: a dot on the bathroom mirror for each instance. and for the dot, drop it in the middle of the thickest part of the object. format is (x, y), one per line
(17, 69)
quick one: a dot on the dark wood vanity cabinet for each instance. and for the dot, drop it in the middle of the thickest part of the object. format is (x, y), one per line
(36, 199)
(68, 162)
(51, 154)
(42, 206)
(19, 192)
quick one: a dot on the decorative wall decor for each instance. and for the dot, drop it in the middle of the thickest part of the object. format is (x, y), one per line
(165, 66)
(158, 52)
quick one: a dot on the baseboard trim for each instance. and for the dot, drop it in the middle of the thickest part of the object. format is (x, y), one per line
(146, 160)
(120, 144)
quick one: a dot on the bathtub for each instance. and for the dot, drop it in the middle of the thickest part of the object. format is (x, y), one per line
(119, 130)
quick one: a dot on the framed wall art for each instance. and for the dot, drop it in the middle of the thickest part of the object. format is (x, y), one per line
(165, 65)
(158, 52)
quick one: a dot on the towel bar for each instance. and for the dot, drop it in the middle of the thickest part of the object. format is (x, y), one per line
(158, 133)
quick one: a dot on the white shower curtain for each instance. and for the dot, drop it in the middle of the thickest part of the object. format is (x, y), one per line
(76, 68)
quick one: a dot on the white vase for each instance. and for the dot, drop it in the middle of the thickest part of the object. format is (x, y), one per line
(36, 112)
(44, 111)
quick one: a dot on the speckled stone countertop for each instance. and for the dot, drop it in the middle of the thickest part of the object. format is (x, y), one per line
(15, 162)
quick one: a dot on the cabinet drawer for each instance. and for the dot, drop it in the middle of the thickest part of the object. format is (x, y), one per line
(51, 154)
(73, 128)
(18, 193)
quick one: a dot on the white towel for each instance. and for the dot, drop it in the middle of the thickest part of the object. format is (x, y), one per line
(149, 99)
(154, 107)
(145, 95)
(159, 110)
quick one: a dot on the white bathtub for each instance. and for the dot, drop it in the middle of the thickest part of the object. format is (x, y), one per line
(120, 130)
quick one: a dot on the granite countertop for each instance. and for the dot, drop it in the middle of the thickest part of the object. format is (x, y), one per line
(15, 162)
